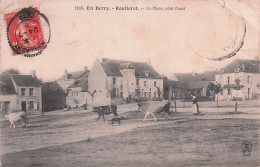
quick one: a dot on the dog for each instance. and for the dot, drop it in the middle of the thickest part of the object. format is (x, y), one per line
(116, 119)
(16, 117)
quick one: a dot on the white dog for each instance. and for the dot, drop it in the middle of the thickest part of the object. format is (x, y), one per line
(15, 117)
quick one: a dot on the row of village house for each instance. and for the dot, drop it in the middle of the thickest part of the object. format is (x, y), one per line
(113, 81)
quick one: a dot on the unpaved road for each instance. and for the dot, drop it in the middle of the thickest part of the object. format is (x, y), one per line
(55, 130)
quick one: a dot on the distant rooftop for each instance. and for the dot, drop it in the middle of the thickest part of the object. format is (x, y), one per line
(242, 65)
(175, 84)
(112, 68)
(26, 80)
(83, 84)
(76, 75)
(195, 80)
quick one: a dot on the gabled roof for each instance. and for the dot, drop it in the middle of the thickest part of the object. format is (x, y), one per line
(112, 68)
(196, 81)
(6, 85)
(175, 84)
(83, 83)
(51, 86)
(76, 75)
(247, 66)
(26, 80)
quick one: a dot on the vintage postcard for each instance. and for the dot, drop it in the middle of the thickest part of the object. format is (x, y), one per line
(134, 83)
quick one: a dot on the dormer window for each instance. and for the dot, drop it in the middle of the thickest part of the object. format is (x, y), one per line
(237, 70)
(147, 74)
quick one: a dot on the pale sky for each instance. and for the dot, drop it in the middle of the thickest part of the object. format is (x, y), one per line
(172, 39)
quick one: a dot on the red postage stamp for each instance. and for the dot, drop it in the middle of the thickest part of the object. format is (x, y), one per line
(25, 31)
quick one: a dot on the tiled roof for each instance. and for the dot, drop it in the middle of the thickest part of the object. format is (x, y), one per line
(76, 75)
(175, 84)
(26, 80)
(83, 83)
(196, 81)
(199, 84)
(112, 68)
(6, 85)
(247, 66)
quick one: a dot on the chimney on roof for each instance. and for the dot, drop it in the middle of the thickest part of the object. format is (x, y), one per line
(149, 62)
(86, 68)
(104, 59)
(65, 74)
(194, 73)
(256, 59)
(33, 74)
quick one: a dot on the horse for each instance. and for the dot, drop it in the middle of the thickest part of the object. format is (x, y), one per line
(153, 108)
(105, 110)
(16, 117)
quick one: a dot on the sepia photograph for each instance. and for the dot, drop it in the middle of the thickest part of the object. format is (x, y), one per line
(133, 83)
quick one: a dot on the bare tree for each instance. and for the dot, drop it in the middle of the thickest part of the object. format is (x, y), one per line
(92, 94)
(215, 89)
(11, 71)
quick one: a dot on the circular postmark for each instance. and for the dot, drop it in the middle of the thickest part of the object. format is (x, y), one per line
(28, 32)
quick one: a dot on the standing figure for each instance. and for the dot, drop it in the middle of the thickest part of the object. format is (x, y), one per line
(195, 105)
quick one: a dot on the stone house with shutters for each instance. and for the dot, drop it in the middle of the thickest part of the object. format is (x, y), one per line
(78, 94)
(20, 92)
(75, 85)
(247, 71)
(113, 80)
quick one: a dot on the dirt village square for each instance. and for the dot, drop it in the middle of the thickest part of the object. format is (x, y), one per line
(62, 129)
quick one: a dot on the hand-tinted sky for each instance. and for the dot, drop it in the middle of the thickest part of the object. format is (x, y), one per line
(176, 41)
